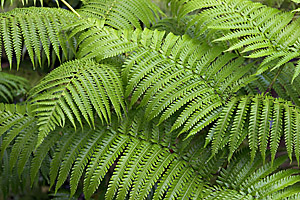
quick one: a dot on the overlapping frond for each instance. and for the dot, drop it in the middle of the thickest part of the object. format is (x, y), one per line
(74, 91)
(39, 31)
(282, 86)
(256, 30)
(169, 72)
(247, 179)
(17, 127)
(140, 164)
(146, 159)
(19, 131)
(12, 86)
(122, 14)
(263, 119)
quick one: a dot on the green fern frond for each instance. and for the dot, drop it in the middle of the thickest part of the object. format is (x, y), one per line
(169, 72)
(36, 29)
(12, 86)
(74, 90)
(40, 155)
(122, 14)
(141, 164)
(18, 126)
(257, 180)
(282, 86)
(4, 2)
(255, 29)
(267, 118)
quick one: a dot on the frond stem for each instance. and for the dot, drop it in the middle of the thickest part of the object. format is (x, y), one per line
(70, 7)
(274, 80)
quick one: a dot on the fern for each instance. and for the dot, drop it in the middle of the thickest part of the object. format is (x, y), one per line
(144, 106)
(12, 86)
(121, 14)
(173, 68)
(36, 29)
(267, 118)
(244, 179)
(142, 163)
(22, 1)
(261, 31)
(74, 90)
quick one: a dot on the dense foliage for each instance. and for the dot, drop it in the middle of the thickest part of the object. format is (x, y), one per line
(126, 101)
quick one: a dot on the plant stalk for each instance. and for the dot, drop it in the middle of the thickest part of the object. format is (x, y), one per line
(70, 7)
(274, 79)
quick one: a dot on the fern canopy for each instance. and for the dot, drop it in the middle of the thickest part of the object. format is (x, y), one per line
(200, 104)
(144, 160)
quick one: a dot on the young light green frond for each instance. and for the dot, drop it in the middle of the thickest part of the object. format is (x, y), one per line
(122, 14)
(12, 86)
(268, 117)
(36, 29)
(254, 29)
(75, 90)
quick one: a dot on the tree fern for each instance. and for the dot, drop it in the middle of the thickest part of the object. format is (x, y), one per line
(75, 90)
(144, 106)
(261, 31)
(189, 71)
(36, 29)
(122, 14)
(267, 118)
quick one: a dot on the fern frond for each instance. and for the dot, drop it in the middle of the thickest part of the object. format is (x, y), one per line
(74, 90)
(12, 86)
(268, 117)
(168, 72)
(122, 14)
(141, 164)
(36, 29)
(282, 86)
(255, 179)
(261, 31)
(40, 154)
(11, 2)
